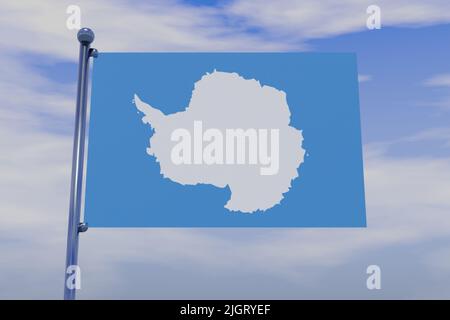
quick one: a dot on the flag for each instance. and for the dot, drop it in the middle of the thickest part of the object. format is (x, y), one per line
(224, 140)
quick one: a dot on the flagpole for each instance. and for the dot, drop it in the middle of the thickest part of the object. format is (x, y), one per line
(85, 37)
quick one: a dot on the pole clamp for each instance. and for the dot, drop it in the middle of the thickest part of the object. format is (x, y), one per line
(83, 227)
(93, 53)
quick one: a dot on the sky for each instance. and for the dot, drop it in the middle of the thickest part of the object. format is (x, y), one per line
(405, 114)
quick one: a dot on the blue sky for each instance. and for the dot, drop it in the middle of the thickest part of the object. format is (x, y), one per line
(405, 107)
(402, 59)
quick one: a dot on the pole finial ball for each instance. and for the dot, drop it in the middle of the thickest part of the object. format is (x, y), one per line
(85, 35)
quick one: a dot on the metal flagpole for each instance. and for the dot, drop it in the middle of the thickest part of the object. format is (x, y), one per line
(85, 37)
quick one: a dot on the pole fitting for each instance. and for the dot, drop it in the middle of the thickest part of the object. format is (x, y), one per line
(93, 53)
(83, 227)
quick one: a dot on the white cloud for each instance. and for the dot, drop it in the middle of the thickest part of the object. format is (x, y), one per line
(34, 185)
(40, 27)
(27, 99)
(440, 135)
(440, 80)
(364, 78)
(313, 19)
(439, 260)
(434, 134)
(153, 26)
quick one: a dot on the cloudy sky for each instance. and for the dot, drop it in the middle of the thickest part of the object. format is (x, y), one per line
(405, 104)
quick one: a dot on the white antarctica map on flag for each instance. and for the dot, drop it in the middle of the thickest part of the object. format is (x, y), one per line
(235, 132)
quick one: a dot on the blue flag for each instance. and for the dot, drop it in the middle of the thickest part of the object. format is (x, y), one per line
(224, 140)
